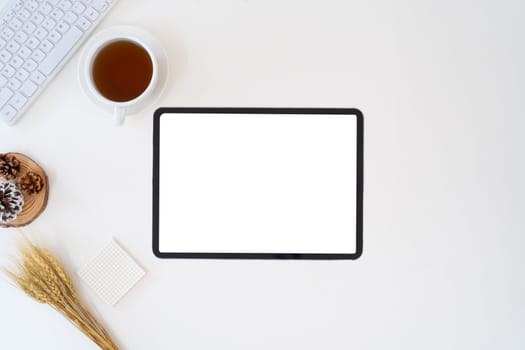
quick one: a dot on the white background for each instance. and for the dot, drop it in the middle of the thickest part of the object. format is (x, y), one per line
(241, 183)
(441, 85)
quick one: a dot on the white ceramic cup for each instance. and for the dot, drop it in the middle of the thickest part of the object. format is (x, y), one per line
(120, 109)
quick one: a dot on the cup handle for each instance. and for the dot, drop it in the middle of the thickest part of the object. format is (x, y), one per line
(119, 114)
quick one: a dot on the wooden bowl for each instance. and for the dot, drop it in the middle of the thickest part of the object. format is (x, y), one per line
(34, 204)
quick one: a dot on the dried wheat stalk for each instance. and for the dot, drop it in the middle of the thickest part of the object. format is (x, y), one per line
(40, 275)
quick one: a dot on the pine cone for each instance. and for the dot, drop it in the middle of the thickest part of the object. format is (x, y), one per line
(30, 183)
(9, 166)
(11, 202)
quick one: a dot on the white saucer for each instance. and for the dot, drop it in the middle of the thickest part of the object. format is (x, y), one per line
(141, 35)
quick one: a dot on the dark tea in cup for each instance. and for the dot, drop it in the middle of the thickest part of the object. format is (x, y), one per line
(122, 70)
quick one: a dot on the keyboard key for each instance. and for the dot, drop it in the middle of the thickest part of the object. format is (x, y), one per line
(22, 74)
(84, 23)
(15, 24)
(37, 18)
(10, 15)
(3, 80)
(38, 77)
(7, 33)
(8, 71)
(65, 5)
(33, 43)
(2, 65)
(29, 27)
(14, 84)
(24, 52)
(17, 62)
(38, 55)
(41, 33)
(49, 24)
(18, 101)
(18, 5)
(70, 17)
(60, 51)
(100, 5)
(21, 37)
(54, 36)
(46, 8)
(46, 46)
(28, 88)
(5, 95)
(7, 114)
(2, 42)
(30, 65)
(32, 5)
(24, 14)
(62, 27)
(57, 14)
(13, 46)
(5, 56)
(78, 8)
(91, 13)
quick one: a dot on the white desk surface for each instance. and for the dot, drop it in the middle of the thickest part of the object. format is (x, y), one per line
(441, 86)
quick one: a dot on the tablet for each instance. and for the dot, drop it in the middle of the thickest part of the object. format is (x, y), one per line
(258, 183)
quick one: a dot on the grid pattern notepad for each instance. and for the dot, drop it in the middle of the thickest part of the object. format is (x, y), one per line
(112, 273)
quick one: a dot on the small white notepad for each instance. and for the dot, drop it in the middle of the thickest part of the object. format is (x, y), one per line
(112, 273)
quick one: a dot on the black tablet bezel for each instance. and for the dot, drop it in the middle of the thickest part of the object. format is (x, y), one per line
(197, 255)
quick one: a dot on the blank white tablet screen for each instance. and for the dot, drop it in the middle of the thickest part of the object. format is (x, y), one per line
(250, 183)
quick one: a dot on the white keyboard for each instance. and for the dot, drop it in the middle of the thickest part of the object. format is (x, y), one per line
(37, 37)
